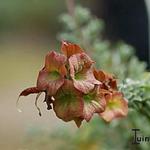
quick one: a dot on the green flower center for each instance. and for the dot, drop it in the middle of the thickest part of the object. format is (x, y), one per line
(67, 96)
(53, 75)
(89, 97)
(114, 104)
(79, 76)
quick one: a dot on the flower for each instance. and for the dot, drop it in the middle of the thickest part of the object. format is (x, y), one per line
(81, 72)
(116, 106)
(68, 103)
(69, 49)
(51, 77)
(75, 90)
(108, 80)
(93, 103)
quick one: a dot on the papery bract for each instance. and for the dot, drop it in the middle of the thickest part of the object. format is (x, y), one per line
(82, 73)
(69, 49)
(74, 90)
(68, 104)
(108, 80)
(116, 106)
(51, 77)
(28, 91)
(93, 103)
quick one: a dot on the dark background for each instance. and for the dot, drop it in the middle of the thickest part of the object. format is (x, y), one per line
(126, 20)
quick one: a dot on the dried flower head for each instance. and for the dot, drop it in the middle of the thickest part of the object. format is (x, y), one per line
(75, 90)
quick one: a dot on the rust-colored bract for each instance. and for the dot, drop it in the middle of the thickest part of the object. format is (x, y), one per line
(75, 90)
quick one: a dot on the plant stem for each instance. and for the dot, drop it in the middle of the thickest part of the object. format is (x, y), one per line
(70, 6)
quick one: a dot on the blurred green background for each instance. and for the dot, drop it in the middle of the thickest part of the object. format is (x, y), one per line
(28, 30)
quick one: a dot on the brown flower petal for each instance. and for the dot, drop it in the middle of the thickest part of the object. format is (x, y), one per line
(82, 73)
(108, 80)
(49, 81)
(116, 107)
(55, 62)
(78, 121)
(51, 77)
(31, 90)
(70, 49)
(26, 92)
(93, 103)
(68, 104)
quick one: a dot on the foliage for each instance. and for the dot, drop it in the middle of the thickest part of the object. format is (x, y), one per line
(138, 94)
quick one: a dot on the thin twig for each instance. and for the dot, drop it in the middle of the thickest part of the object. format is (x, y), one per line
(36, 100)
